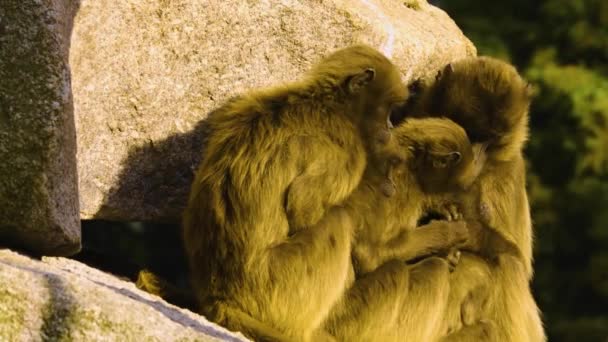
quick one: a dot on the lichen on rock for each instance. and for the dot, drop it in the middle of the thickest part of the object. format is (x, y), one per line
(38, 182)
(57, 299)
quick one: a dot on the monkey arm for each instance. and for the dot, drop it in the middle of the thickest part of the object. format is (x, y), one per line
(329, 174)
(315, 259)
(487, 242)
(411, 244)
(503, 208)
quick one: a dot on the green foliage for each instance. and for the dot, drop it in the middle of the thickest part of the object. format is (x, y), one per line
(561, 46)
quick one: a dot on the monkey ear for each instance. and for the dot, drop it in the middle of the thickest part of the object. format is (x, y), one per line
(448, 70)
(356, 82)
(454, 157)
(445, 72)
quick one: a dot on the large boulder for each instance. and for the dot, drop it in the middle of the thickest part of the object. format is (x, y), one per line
(145, 73)
(57, 299)
(38, 182)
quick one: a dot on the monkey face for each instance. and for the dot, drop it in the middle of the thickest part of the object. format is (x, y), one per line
(435, 169)
(449, 170)
(375, 94)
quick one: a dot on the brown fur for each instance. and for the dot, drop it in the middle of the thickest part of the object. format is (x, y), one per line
(436, 157)
(268, 252)
(490, 100)
(392, 300)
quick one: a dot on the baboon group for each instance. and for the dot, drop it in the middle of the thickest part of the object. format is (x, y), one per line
(350, 206)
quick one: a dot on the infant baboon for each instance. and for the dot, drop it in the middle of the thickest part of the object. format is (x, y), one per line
(490, 100)
(391, 299)
(437, 155)
(268, 247)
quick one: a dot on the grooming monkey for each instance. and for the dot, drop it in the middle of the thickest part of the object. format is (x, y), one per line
(268, 245)
(490, 101)
(438, 158)
(391, 299)
(428, 148)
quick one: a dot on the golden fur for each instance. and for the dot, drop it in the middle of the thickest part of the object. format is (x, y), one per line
(392, 300)
(490, 101)
(269, 251)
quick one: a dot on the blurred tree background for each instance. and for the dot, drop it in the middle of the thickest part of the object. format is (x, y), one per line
(561, 47)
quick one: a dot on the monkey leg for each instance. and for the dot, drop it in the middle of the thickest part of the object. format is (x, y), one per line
(512, 307)
(396, 302)
(303, 276)
(304, 205)
(330, 175)
(470, 291)
(432, 238)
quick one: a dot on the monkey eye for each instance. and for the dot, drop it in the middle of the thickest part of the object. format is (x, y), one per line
(440, 163)
(455, 157)
(443, 161)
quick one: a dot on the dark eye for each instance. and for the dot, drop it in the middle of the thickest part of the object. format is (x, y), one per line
(446, 160)
(455, 157)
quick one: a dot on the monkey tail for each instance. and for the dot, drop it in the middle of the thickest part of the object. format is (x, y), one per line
(156, 285)
(220, 313)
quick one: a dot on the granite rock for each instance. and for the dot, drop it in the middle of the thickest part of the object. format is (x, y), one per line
(58, 299)
(38, 182)
(146, 73)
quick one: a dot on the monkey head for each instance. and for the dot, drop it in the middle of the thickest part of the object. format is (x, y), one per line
(440, 154)
(369, 86)
(487, 97)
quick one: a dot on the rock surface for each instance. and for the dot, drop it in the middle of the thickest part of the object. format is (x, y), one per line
(38, 181)
(146, 72)
(59, 299)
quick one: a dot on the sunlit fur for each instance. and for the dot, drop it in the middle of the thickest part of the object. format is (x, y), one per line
(268, 250)
(384, 225)
(392, 300)
(490, 100)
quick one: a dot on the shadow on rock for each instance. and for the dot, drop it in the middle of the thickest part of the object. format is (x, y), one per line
(155, 179)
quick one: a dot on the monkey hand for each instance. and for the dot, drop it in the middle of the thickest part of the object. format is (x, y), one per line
(453, 258)
(456, 233)
(395, 165)
(439, 237)
(450, 211)
(485, 213)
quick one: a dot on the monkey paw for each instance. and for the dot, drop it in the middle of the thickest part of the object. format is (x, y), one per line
(450, 211)
(458, 233)
(453, 258)
(485, 212)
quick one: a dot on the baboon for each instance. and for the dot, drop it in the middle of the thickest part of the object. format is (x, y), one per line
(268, 244)
(437, 156)
(490, 100)
(393, 298)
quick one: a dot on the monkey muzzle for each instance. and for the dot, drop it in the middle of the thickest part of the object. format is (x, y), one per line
(393, 167)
